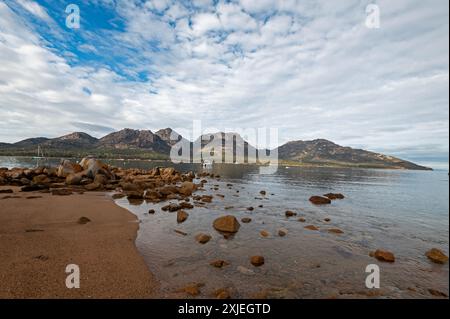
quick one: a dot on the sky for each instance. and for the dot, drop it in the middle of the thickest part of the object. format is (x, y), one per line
(311, 69)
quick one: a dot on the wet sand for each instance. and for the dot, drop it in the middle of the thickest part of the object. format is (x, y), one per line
(40, 236)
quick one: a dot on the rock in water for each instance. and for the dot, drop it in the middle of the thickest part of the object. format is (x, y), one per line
(436, 256)
(202, 238)
(311, 227)
(290, 213)
(334, 196)
(182, 216)
(335, 231)
(282, 232)
(383, 255)
(226, 224)
(257, 261)
(219, 263)
(264, 233)
(246, 220)
(319, 200)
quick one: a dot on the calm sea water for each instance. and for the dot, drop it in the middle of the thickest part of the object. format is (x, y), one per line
(406, 212)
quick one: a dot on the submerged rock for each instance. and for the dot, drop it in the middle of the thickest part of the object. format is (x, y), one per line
(290, 213)
(302, 220)
(182, 216)
(319, 200)
(436, 256)
(226, 224)
(311, 227)
(264, 233)
(282, 232)
(335, 231)
(334, 196)
(246, 220)
(219, 263)
(257, 261)
(383, 255)
(203, 238)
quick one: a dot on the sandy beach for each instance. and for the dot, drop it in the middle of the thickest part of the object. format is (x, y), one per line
(41, 235)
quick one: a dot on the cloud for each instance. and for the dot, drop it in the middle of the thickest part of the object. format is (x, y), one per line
(35, 9)
(310, 68)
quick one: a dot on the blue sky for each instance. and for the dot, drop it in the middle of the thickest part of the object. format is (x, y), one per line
(312, 69)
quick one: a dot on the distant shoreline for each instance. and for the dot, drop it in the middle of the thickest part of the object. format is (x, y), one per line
(280, 163)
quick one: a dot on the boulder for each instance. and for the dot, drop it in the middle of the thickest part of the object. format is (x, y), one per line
(74, 178)
(67, 167)
(226, 224)
(203, 238)
(436, 256)
(101, 179)
(182, 216)
(319, 200)
(92, 167)
(187, 188)
(383, 255)
(41, 179)
(257, 261)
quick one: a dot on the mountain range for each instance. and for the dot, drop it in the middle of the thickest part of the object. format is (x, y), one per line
(145, 144)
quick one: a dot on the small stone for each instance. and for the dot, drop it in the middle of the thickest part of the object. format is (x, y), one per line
(151, 211)
(290, 213)
(250, 208)
(436, 256)
(180, 232)
(335, 231)
(282, 232)
(257, 261)
(383, 255)
(182, 216)
(263, 193)
(192, 289)
(83, 220)
(302, 220)
(327, 220)
(437, 293)
(264, 233)
(219, 263)
(222, 294)
(312, 227)
(202, 238)
(246, 220)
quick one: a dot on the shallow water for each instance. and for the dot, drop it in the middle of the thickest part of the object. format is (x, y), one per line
(405, 212)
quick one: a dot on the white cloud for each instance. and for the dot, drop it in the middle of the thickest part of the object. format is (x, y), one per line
(35, 9)
(311, 68)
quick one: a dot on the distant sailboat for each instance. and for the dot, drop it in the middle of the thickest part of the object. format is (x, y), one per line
(40, 153)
